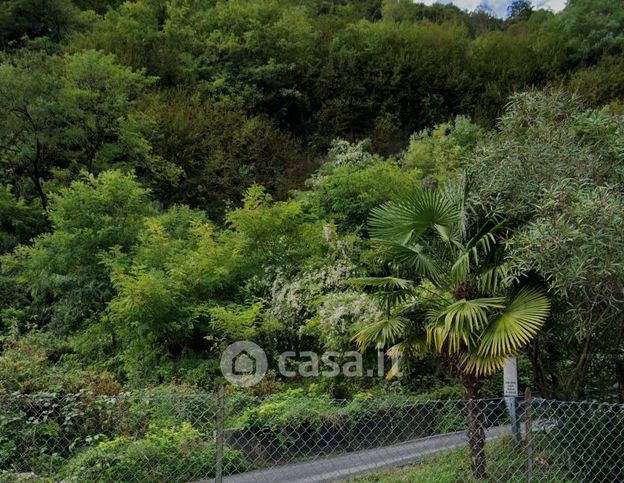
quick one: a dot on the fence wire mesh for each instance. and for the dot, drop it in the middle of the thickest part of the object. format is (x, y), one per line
(289, 437)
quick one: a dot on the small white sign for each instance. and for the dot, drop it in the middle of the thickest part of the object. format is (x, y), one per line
(511, 389)
(510, 378)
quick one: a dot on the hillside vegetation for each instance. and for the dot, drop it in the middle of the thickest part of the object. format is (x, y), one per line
(178, 175)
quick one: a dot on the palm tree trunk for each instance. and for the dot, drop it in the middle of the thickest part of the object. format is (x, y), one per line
(476, 431)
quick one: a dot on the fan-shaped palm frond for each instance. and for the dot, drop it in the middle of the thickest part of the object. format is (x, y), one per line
(484, 237)
(456, 326)
(461, 268)
(448, 234)
(482, 365)
(493, 278)
(517, 325)
(401, 221)
(413, 256)
(381, 333)
(478, 248)
(386, 283)
(391, 291)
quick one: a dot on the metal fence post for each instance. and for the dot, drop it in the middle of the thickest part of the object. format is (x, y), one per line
(219, 435)
(528, 410)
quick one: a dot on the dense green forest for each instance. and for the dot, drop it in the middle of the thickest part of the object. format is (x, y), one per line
(178, 175)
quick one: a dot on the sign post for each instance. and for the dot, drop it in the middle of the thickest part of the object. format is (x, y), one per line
(510, 392)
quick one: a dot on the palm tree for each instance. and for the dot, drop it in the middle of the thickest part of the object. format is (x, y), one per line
(449, 292)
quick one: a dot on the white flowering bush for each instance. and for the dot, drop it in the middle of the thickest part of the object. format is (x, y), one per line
(344, 153)
(295, 301)
(339, 315)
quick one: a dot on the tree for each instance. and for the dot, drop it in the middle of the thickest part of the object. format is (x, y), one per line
(353, 181)
(600, 84)
(575, 243)
(447, 291)
(27, 124)
(221, 151)
(276, 237)
(164, 292)
(591, 29)
(482, 20)
(19, 220)
(554, 169)
(519, 10)
(411, 74)
(60, 115)
(33, 18)
(437, 153)
(62, 271)
(99, 6)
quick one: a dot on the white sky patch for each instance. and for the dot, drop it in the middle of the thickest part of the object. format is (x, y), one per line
(498, 7)
(554, 5)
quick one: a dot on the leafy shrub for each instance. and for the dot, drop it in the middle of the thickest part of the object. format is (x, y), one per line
(354, 181)
(589, 441)
(437, 153)
(288, 409)
(39, 363)
(295, 422)
(171, 405)
(41, 432)
(38, 431)
(600, 84)
(164, 454)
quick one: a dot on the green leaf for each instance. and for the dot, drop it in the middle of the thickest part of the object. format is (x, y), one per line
(457, 324)
(380, 333)
(517, 325)
(482, 365)
(387, 283)
(493, 278)
(409, 218)
(391, 291)
(413, 257)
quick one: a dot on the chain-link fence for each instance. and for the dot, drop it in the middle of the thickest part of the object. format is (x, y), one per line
(295, 437)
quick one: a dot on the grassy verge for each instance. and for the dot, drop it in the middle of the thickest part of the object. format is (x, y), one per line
(505, 462)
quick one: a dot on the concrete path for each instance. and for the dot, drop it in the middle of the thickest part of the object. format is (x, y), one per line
(334, 468)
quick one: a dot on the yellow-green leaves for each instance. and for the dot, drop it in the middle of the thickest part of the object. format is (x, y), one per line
(516, 325)
(456, 327)
(448, 276)
(381, 333)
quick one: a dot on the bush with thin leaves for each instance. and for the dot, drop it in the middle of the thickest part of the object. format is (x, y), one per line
(175, 454)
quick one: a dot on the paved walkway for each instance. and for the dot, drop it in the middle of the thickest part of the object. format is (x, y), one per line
(350, 464)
